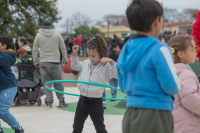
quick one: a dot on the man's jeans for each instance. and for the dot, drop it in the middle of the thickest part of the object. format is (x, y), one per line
(6, 97)
(113, 83)
(51, 71)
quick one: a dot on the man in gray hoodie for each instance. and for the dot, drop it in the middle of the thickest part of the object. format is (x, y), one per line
(50, 42)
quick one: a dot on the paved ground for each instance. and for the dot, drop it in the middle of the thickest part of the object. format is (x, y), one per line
(36, 119)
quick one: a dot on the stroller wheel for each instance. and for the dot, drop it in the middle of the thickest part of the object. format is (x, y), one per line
(17, 101)
(39, 102)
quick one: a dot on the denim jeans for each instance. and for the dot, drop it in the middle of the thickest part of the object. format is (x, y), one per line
(6, 97)
(113, 83)
(49, 72)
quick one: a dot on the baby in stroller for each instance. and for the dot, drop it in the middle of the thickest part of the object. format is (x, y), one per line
(29, 82)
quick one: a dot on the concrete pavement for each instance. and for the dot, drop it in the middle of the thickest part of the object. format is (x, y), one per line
(36, 119)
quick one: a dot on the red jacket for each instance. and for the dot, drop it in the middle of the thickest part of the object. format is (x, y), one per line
(196, 34)
(79, 41)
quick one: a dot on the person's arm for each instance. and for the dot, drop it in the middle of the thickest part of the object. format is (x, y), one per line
(165, 71)
(63, 49)
(189, 95)
(75, 64)
(112, 72)
(35, 51)
(2, 59)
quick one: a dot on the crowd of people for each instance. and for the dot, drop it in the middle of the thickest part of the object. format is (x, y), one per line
(163, 92)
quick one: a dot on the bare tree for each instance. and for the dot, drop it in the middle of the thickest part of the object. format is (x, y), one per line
(114, 20)
(173, 15)
(188, 13)
(79, 19)
(100, 24)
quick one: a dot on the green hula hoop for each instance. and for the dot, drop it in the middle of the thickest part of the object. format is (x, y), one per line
(83, 82)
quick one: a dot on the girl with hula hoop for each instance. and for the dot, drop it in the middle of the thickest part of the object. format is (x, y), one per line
(99, 69)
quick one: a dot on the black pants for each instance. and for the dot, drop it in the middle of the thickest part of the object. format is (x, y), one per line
(89, 106)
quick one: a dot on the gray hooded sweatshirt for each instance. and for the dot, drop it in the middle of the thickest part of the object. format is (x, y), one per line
(49, 41)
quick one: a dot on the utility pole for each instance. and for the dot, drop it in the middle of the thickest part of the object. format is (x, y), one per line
(108, 28)
(67, 26)
(163, 16)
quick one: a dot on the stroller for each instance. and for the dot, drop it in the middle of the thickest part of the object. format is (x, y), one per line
(29, 82)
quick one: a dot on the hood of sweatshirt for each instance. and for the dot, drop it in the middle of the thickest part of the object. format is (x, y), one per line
(133, 51)
(26, 47)
(47, 32)
(180, 67)
(10, 56)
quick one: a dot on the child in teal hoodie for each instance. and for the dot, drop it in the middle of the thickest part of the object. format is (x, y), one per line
(146, 72)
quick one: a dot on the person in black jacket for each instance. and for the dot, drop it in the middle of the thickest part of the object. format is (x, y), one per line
(114, 54)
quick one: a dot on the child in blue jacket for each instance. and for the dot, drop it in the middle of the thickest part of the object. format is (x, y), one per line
(8, 87)
(146, 72)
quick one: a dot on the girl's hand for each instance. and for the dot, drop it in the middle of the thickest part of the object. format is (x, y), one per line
(75, 49)
(104, 60)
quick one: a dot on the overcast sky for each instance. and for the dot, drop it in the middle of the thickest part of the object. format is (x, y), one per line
(96, 9)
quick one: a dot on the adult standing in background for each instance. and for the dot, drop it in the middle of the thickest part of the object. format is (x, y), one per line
(79, 42)
(50, 41)
(67, 41)
(24, 45)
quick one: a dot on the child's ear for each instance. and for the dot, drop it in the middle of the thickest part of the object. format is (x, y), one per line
(157, 21)
(4, 47)
(180, 54)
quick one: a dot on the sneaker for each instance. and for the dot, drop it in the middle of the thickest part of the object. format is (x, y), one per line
(63, 104)
(1, 130)
(113, 97)
(13, 104)
(49, 104)
(104, 105)
(20, 130)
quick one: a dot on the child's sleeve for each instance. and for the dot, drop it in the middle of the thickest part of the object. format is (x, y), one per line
(166, 72)
(112, 71)
(75, 64)
(189, 95)
(63, 49)
(2, 59)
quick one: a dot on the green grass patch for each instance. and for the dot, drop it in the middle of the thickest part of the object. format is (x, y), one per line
(7, 130)
(113, 107)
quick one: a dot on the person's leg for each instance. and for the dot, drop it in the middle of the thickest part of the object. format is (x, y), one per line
(116, 86)
(6, 97)
(82, 49)
(104, 101)
(80, 117)
(56, 74)
(96, 113)
(139, 120)
(85, 51)
(112, 83)
(45, 72)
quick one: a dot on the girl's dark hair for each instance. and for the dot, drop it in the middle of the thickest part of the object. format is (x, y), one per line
(23, 40)
(142, 13)
(98, 43)
(4, 40)
(180, 43)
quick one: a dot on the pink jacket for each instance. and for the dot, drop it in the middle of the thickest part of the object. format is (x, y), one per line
(187, 103)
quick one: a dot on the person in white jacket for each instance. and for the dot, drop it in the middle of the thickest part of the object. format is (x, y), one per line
(98, 69)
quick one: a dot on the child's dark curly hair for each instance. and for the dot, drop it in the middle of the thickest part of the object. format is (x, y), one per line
(98, 43)
(4, 40)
